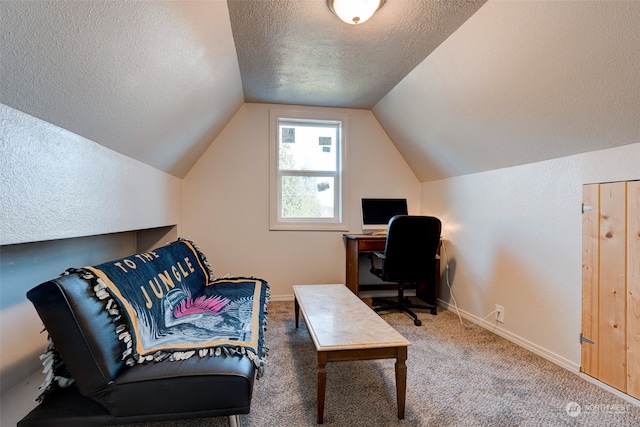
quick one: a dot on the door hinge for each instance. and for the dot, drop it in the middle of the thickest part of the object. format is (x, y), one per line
(587, 208)
(584, 339)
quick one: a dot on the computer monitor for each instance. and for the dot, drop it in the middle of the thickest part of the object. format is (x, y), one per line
(376, 213)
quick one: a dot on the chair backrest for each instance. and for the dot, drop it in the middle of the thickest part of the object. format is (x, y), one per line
(411, 248)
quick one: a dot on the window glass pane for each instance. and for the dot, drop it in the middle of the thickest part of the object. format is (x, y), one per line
(307, 197)
(307, 148)
(307, 178)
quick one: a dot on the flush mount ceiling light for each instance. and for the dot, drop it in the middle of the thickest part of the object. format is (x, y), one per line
(354, 11)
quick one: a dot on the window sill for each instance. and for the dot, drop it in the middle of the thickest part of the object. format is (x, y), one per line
(308, 227)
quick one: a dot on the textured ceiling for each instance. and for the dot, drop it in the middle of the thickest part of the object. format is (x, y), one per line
(299, 52)
(518, 83)
(158, 80)
(459, 86)
(154, 80)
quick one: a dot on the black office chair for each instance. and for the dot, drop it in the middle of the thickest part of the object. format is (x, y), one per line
(409, 258)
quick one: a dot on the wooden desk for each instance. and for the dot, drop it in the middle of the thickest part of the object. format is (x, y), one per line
(358, 244)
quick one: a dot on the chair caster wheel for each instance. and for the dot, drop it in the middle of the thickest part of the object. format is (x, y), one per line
(417, 322)
(434, 312)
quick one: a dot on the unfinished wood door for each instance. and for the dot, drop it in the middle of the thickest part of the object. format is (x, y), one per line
(611, 284)
(633, 289)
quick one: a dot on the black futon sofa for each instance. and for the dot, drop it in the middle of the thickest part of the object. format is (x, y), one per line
(112, 386)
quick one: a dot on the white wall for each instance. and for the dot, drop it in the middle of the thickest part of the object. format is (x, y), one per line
(65, 202)
(55, 184)
(226, 201)
(513, 237)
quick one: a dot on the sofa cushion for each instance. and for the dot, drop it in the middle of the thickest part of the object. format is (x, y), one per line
(83, 332)
(192, 385)
(197, 388)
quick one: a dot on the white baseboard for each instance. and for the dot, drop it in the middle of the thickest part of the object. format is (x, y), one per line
(282, 297)
(540, 351)
(621, 395)
(534, 348)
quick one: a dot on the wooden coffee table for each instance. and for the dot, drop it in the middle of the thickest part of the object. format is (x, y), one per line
(344, 328)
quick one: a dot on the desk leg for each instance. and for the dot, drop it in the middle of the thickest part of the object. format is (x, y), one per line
(296, 309)
(322, 384)
(353, 265)
(401, 380)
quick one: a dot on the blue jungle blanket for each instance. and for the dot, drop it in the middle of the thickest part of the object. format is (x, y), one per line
(167, 306)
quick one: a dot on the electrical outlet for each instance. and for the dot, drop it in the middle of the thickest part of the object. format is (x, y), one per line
(499, 313)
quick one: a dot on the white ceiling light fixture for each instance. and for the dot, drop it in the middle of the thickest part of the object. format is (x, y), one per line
(354, 11)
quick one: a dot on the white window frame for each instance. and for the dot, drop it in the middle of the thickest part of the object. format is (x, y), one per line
(340, 221)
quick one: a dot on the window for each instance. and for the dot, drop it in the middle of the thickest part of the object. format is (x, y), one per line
(307, 171)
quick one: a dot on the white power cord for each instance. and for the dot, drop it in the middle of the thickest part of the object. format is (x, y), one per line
(455, 304)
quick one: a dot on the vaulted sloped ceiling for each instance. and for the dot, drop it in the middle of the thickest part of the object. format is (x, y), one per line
(520, 82)
(460, 86)
(154, 80)
(158, 80)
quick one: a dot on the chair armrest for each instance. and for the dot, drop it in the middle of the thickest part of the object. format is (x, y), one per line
(373, 269)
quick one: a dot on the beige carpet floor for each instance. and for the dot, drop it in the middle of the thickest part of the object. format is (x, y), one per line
(457, 376)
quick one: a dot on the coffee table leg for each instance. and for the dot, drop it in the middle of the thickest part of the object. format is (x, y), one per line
(322, 384)
(296, 308)
(401, 380)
